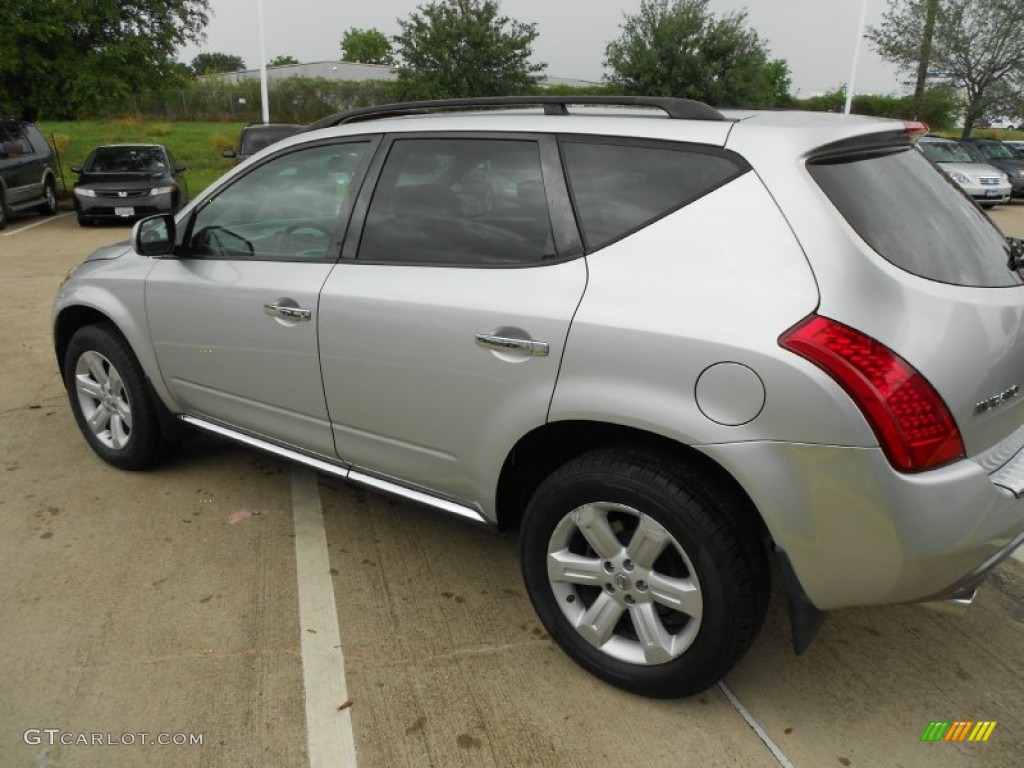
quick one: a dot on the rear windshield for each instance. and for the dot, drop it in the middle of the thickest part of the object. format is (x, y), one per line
(914, 217)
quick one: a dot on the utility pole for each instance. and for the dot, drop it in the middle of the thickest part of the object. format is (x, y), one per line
(856, 57)
(931, 12)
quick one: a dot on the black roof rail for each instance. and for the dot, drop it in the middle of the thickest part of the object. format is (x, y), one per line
(677, 109)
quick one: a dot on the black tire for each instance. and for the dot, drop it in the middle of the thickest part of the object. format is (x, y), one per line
(85, 221)
(3, 211)
(129, 443)
(49, 208)
(713, 545)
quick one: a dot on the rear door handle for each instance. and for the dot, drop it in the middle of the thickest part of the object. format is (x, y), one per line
(288, 313)
(505, 344)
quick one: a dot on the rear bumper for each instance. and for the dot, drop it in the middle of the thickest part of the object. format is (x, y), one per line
(858, 533)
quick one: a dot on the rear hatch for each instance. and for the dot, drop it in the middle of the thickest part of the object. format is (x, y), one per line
(918, 266)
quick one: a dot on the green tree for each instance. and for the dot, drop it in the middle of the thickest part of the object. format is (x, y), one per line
(464, 48)
(280, 61)
(61, 58)
(938, 107)
(210, 63)
(680, 48)
(975, 46)
(366, 46)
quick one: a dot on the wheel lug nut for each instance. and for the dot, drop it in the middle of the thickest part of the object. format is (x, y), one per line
(641, 586)
(570, 598)
(627, 564)
(608, 567)
(630, 600)
(609, 589)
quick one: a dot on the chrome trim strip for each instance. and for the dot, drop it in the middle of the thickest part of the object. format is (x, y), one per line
(343, 471)
(420, 497)
(952, 606)
(338, 470)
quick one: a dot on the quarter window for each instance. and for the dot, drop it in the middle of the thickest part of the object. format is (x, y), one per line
(459, 202)
(285, 210)
(618, 188)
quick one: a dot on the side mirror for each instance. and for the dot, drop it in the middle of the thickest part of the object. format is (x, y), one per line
(154, 236)
(227, 153)
(76, 169)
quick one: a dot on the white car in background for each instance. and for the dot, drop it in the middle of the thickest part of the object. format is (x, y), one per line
(985, 183)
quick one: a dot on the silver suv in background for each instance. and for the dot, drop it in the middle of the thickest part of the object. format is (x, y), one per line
(668, 344)
(985, 183)
(28, 179)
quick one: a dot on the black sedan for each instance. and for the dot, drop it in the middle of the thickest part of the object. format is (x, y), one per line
(124, 182)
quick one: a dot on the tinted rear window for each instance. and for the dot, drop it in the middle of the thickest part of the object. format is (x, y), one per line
(619, 187)
(914, 217)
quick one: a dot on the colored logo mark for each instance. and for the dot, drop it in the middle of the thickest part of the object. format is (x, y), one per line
(958, 730)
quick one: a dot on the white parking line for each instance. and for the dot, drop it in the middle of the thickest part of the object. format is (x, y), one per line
(761, 733)
(40, 223)
(329, 737)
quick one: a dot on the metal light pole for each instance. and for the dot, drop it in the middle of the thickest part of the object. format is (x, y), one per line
(264, 98)
(856, 56)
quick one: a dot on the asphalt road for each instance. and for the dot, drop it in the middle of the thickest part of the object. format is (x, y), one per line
(285, 620)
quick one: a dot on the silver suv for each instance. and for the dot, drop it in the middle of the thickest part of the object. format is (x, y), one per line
(668, 344)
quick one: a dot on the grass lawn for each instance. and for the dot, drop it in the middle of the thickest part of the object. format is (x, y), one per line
(195, 145)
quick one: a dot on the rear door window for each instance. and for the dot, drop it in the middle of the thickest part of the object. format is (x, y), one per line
(619, 187)
(464, 202)
(915, 218)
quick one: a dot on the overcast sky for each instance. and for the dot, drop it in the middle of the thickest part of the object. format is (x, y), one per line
(816, 37)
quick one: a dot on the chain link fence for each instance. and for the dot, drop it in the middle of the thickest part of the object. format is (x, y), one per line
(293, 100)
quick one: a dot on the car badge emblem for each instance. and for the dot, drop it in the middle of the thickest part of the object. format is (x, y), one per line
(122, 194)
(996, 400)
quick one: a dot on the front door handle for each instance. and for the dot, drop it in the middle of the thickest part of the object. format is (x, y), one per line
(288, 313)
(505, 344)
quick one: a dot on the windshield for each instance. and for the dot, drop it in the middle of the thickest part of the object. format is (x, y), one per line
(943, 152)
(126, 160)
(916, 218)
(996, 152)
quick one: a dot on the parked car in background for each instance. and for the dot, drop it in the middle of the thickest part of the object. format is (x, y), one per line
(28, 176)
(1017, 147)
(986, 184)
(1004, 123)
(257, 137)
(668, 344)
(996, 153)
(124, 182)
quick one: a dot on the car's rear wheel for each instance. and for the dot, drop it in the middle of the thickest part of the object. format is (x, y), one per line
(49, 206)
(110, 398)
(648, 574)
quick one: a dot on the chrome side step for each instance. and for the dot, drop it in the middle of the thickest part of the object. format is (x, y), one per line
(344, 471)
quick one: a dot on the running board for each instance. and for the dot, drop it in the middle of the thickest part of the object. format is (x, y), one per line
(345, 472)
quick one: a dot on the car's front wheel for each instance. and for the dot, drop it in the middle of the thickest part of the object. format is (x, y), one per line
(647, 573)
(49, 206)
(110, 398)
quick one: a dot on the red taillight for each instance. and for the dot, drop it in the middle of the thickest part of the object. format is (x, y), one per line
(915, 129)
(912, 424)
